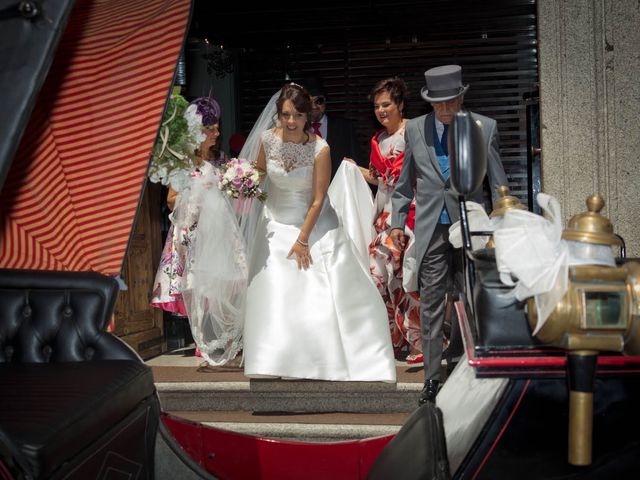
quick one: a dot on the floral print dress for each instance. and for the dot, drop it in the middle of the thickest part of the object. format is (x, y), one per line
(386, 261)
(170, 277)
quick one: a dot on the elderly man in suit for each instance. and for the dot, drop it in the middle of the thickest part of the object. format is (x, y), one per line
(425, 174)
(339, 132)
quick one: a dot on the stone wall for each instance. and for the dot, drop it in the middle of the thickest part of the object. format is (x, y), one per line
(589, 52)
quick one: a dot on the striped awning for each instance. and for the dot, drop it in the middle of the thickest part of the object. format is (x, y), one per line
(70, 198)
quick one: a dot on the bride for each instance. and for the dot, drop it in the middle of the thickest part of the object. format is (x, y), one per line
(310, 309)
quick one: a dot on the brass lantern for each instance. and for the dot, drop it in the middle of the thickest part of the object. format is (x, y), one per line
(599, 312)
(502, 205)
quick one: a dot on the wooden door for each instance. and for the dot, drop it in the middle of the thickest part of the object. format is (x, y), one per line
(137, 323)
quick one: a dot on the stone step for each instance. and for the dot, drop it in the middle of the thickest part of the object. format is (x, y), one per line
(289, 396)
(322, 427)
(199, 387)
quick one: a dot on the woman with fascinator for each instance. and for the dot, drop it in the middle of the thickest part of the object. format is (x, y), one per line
(204, 113)
(309, 308)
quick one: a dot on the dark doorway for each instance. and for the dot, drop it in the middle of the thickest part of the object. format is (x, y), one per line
(351, 45)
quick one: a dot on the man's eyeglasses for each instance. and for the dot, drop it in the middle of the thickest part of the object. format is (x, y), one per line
(319, 100)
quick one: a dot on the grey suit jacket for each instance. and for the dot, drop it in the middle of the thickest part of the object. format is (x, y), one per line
(422, 170)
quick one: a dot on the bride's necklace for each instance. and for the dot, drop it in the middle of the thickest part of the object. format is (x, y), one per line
(288, 138)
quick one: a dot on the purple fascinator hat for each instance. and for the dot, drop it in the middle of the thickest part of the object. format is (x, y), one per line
(209, 109)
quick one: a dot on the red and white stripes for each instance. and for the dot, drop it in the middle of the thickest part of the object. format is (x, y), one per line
(71, 195)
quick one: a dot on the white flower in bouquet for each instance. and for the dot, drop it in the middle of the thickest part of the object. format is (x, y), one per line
(178, 179)
(241, 180)
(195, 135)
(158, 174)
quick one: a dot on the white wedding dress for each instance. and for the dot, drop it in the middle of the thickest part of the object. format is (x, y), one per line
(328, 322)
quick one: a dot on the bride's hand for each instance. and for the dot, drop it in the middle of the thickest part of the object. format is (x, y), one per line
(302, 254)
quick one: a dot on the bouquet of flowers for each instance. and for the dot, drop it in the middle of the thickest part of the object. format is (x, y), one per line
(180, 134)
(241, 181)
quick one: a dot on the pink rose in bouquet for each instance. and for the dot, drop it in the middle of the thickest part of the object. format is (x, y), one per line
(241, 181)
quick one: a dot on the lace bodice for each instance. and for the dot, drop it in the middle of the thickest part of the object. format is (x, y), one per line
(289, 156)
(290, 177)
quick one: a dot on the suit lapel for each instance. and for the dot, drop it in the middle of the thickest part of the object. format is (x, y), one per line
(334, 132)
(427, 135)
(330, 132)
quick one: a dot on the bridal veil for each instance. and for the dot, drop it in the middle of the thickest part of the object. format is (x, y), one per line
(218, 265)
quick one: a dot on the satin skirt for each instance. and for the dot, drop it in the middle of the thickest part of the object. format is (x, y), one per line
(328, 322)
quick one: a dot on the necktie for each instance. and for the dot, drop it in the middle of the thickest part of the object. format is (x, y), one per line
(443, 140)
(443, 160)
(316, 128)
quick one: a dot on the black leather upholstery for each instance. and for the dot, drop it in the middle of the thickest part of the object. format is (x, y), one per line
(50, 410)
(501, 318)
(67, 387)
(417, 452)
(60, 319)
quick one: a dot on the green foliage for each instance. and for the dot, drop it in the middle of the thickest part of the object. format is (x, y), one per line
(174, 146)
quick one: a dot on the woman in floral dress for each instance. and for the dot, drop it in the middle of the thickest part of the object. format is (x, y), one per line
(170, 276)
(386, 261)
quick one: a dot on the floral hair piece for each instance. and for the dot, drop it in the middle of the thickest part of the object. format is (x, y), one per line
(208, 109)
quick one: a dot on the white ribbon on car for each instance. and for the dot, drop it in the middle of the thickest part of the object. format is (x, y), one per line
(530, 248)
(478, 221)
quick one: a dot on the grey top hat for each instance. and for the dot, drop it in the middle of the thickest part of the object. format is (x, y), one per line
(443, 83)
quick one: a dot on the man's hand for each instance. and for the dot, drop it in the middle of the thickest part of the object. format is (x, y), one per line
(398, 238)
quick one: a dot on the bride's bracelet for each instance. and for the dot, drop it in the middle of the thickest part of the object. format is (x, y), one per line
(304, 244)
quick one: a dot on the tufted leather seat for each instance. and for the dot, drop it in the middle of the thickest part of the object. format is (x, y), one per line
(63, 320)
(75, 400)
